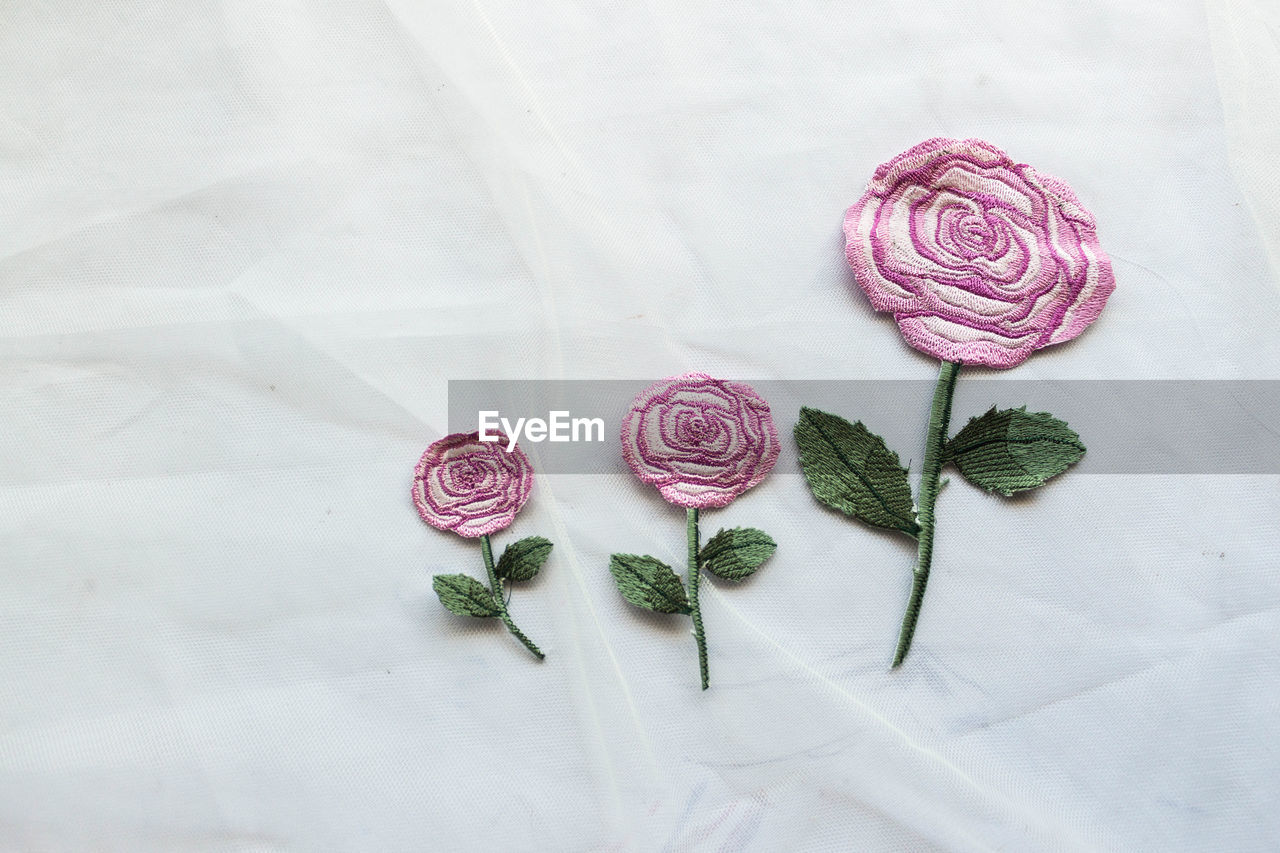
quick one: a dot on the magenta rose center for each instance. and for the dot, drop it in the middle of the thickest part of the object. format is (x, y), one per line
(465, 475)
(696, 429)
(976, 232)
(970, 234)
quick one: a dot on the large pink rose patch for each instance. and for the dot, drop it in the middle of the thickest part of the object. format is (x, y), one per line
(981, 260)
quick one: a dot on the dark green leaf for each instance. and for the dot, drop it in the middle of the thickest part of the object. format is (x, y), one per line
(1009, 450)
(649, 583)
(464, 595)
(521, 560)
(735, 554)
(851, 469)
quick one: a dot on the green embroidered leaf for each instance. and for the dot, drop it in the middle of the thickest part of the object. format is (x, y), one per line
(1009, 450)
(735, 554)
(851, 469)
(649, 583)
(521, 560)
(464, 595)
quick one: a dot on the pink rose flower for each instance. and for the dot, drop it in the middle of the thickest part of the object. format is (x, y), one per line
(980, 259)
(701, 441)
(469, 486)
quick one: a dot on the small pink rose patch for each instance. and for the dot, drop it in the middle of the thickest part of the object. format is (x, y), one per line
(475, 488)
(469, 486)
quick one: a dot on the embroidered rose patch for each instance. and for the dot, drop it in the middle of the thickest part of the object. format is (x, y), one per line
(702, 442)
(475, 488)
(981, 261)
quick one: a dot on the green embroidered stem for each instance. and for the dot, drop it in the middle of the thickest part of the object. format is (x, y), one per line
(495, 586)
(939, 419)
(695, 611)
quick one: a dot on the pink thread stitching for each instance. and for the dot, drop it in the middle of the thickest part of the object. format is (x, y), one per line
(469, 486)
(701, 441)
(1011, 264)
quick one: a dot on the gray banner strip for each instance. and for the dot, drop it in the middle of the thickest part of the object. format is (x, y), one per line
(1130, 427)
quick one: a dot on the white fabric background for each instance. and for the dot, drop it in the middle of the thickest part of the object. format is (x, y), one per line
(246, 243)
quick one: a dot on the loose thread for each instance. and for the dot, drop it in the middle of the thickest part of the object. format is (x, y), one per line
(930, 472)
(695, 571)
(495, 587)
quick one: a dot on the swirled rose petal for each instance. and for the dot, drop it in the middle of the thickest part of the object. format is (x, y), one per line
(469, 486)
(701, 441)
(980, 260)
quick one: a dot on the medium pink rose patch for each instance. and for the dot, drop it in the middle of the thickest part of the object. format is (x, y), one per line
(701, 441)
